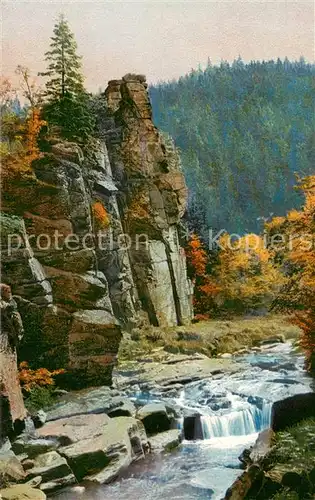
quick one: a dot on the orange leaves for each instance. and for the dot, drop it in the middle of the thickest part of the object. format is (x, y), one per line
(33, 125)
(34, 378)
(300, 230)
(246, 271)
(205, 289)
(243, 274)
(306, 321)
(209, 288)
(25, 132)
(18, 163)
(303, 250)
(275, 223)
(201, 317)
(100, 215)
(197, 256)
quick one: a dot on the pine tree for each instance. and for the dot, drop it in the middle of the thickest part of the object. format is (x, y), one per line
(67, 104)
(64, 65)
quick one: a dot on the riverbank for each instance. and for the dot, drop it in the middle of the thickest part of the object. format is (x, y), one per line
(198, 350)
(210, 337)
(284, 468)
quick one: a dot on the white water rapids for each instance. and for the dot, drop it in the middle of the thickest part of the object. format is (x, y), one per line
(233, 408)
(237, 423)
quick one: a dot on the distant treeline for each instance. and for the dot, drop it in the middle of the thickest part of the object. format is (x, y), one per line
(244, 131)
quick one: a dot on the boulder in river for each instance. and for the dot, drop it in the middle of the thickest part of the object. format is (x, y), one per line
(122, 441)
(39, 418)
(291, 411)
(244, 484)
(259, 450)
(275, 339)
(262, 445)
(193, 427)
(165, 441)
(92, 401)
(156, 417)
(33, 446)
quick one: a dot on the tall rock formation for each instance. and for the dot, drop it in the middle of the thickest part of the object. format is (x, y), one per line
(152, 199)
(98, 241)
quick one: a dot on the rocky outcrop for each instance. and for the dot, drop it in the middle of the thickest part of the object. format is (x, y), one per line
(73, 429)
(33, 446)
(96, 241)
(92, 402)
(53, 470)
(62, 297)
(12, 408)
(146, 168)
(11, 470)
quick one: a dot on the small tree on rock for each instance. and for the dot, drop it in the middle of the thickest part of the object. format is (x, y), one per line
(67, 104)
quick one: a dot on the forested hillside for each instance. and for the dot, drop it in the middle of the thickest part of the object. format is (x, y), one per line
(244, 131)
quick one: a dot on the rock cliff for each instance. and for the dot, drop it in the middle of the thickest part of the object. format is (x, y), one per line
(97, 240)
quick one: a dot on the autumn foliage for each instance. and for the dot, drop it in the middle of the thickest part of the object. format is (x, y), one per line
(204, 287)
(34, 124)
(101, 217)
(17, 174)
(30, 379)
(243, 277)
(297, 296)
(23, 137)
(197, 256)
(246, 273)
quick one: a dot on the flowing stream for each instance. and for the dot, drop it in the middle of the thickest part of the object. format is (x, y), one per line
(233, 408)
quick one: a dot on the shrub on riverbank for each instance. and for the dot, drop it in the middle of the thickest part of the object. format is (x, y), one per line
(37, 386)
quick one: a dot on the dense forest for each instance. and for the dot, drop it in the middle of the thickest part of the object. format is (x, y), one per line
(244, 131)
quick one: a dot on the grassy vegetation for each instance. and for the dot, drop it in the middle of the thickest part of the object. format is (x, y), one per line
(288, 469)
(296, 446)
(287, 495)
(294, 453)
(212, 337)
(39, 398)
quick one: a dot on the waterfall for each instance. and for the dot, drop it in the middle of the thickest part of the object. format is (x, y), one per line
(237, 423)
(178, 423)
(266, 416)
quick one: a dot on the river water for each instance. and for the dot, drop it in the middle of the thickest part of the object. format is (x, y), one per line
(234, 408)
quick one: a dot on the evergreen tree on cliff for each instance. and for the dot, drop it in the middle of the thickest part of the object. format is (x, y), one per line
(67, 102)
